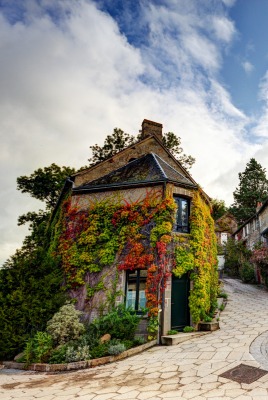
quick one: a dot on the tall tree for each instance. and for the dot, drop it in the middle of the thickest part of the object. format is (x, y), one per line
(218, 208)
(43, 184)
(31, 288)
(252, 188)
(119, 140)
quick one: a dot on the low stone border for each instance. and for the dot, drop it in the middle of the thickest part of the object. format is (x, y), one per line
(80, 364)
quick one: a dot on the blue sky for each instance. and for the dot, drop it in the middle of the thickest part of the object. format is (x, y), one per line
(72, 71)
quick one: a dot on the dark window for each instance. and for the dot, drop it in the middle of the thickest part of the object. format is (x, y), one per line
(135, 289)
(182, 215)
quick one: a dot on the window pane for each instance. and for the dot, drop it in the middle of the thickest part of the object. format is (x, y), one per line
(131, 289)
(184, 213)
(142, 298)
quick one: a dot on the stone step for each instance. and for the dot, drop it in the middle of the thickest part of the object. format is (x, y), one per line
(171, 340)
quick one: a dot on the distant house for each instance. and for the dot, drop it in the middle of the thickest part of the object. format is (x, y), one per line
(130, 231)
(254, 232)
(255, 229)
(225, 226)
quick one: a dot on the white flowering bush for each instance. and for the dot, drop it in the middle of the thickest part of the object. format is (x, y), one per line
(81, 353)
(65, 325)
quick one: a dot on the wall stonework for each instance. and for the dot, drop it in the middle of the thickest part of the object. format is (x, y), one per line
(132, 195)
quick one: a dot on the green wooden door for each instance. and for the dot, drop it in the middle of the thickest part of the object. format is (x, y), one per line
(180, 315)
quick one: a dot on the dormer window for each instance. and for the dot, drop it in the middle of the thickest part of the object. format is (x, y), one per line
(182, 215)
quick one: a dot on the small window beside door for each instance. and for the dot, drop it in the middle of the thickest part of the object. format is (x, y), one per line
(182, 215)
(135, 289)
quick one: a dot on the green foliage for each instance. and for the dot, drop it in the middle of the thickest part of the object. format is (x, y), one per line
(45, 184)
(114, 143)
(236, 255)
(172, 332)
(77, 353)
(30, 293)
(120, 140)
(65, 325)
(187, 329)
(152, 328)
(38, 348)
(223, 295)
(218, 208)
(252, 188)
(115, 349)
(58, 355)
(247, 272)
(198, 255)
(222, 307)
(120, 323)
(173, 143)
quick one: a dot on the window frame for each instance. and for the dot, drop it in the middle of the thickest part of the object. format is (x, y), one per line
(137, 292)
(180, 228)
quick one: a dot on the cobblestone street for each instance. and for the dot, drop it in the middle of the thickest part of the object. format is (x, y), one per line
(190, 370)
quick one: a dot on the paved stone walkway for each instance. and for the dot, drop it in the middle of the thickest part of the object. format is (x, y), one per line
(190, 370)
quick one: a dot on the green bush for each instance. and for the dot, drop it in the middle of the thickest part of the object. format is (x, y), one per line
(115, 349)
(172, 332)
(38, 348)
(121, 323)
(247, 272)
(188, 329)
(100, 350)
(65, 325)
(58, 355)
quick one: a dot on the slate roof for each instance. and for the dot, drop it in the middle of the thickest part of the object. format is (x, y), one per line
(147, 169)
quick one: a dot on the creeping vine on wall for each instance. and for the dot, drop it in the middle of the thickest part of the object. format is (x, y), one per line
(139, 235)
(198, 255)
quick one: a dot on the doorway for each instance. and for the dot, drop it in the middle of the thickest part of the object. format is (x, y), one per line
(180, 313)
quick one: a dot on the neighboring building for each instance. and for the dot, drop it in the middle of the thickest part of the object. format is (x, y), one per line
(144, 170)
(254, 232)
(255, 229)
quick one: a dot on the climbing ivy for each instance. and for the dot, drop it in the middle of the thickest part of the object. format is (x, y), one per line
(198, 254)
(138, 235)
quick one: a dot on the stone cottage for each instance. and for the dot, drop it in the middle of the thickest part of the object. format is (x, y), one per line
(137, 229)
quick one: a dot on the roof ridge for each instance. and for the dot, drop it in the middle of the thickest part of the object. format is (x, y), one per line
(170, 166)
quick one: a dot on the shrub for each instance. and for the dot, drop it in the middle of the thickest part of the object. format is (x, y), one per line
(115, 349)
(38, 348)
(58, 355)
(65, 324)
(247, 272)
(172, 332)
(138, 341)
(188, 329)
(223, 295)
(79, 353)
(99, 351)
(121, 323)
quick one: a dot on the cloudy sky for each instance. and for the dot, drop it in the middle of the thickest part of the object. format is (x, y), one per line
(73, 70)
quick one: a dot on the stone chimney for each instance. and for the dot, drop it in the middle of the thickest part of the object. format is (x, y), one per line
(151, 128)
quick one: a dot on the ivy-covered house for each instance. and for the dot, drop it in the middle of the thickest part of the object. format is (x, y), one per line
(137, 229)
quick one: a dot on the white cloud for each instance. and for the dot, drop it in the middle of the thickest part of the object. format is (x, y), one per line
(67, 82)
(247, 66)
(224, 28)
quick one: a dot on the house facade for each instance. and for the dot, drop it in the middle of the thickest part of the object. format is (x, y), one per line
(254, 232)
(255, 229)
(132, 228)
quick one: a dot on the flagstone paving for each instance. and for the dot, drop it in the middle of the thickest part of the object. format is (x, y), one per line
(190, 370)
